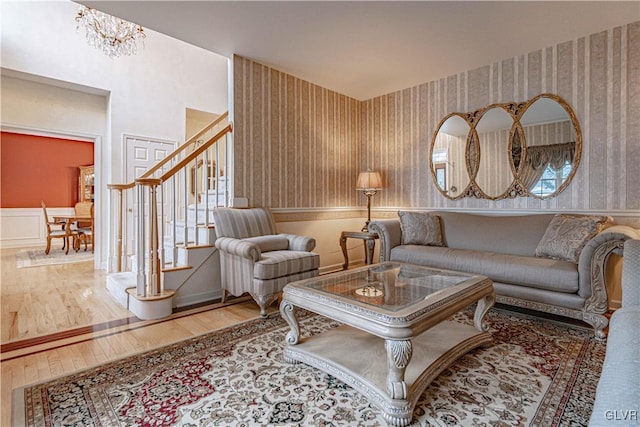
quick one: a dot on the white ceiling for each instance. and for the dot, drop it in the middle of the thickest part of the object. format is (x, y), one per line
(368, 48)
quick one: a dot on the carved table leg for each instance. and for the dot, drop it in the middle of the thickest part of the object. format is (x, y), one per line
(483, 307)
(369, 246)
(398, 356)
(343, 245)
(287, 310)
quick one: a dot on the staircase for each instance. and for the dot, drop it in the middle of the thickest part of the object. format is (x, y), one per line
(163, 254)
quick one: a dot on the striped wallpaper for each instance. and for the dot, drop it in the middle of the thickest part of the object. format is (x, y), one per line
(298, 145)
(494, 175)
(295, 143)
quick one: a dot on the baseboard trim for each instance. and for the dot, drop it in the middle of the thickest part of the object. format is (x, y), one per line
(197, 299)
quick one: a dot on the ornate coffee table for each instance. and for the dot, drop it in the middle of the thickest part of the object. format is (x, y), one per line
(395, 338)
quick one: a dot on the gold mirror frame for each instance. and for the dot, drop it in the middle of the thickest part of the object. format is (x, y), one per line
(468, 168)
(519, 145)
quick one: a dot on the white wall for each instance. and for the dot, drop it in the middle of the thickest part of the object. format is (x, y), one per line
(28, 104)
(148, 93)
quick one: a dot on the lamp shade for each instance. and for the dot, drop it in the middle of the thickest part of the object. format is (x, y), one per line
(369, 181)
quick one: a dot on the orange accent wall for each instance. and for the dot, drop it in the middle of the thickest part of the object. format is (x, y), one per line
(34, 168)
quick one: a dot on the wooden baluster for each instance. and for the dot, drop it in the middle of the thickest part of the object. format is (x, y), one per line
(205, 179)
(161, 225)
(119, 215)
(186, 205)
(174, 218)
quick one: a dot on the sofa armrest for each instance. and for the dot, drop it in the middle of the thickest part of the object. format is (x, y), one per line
(592, 265)
(390, 235)
(239, 247)
(299, 243)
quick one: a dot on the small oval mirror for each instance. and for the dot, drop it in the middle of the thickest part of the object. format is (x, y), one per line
(448, 161)
(494, 176)
(552, 146)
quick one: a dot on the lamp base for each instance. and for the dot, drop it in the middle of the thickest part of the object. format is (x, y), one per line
(365, 229)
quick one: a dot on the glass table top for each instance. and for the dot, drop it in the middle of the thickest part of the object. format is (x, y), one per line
(390, 286)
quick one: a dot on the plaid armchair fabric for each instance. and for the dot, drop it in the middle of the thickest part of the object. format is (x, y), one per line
(257, 260)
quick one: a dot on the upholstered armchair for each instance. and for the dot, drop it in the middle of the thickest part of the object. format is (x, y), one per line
(254, 259)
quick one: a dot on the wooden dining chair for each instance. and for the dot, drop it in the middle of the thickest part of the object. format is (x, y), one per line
(85, 229)
(55, 230)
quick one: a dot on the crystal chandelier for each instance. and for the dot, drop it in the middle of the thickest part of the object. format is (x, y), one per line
(114, 36)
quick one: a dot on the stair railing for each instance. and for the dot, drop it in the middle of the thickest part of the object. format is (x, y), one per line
(172, 200)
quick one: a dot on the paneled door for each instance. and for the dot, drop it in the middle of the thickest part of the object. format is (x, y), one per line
(141, 154)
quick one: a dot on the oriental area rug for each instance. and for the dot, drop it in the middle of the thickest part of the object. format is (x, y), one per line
(534, 373)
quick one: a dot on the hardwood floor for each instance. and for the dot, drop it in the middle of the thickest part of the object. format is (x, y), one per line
(59, 319)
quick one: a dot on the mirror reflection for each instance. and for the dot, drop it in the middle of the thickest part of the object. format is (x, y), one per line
(448, 161)
(507, 150)
(550, 147)
(494, 176)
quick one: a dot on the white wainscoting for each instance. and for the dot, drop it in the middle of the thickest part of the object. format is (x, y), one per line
(25, 227)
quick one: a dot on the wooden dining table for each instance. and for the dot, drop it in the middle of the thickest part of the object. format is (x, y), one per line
(69, 220)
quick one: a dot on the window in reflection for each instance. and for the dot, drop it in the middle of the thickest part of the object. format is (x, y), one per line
(440, 165)
(551, 180)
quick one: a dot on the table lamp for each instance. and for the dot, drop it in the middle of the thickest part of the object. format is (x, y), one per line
(369, 183)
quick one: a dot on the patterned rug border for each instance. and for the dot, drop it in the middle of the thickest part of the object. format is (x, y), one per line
(274, 322)
(28, 258)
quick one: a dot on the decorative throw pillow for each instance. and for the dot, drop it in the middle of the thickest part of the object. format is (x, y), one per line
(567, 235)
(420, 228)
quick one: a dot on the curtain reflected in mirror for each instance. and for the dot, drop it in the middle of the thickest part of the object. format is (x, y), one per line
(546, 167)
(550, 152)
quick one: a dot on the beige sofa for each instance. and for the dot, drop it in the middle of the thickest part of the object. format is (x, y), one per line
(521, 254)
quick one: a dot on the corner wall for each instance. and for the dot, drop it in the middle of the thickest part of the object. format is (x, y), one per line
(295, 143)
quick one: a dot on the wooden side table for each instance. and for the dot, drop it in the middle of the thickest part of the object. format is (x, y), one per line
(369, 240)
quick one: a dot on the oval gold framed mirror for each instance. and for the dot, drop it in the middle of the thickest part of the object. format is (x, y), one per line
(494, 176)
(553, 146)
(449, 165)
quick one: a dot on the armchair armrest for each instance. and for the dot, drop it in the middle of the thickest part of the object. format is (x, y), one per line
(299, 243)
(239, 247)
(389, 233)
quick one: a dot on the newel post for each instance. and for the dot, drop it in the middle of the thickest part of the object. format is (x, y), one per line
(148, 243)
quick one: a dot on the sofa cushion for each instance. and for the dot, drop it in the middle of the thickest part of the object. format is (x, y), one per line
(420, 228)
(513, 234)
(566, 235)
(283, 263)
(541, 273)
(269, 243)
